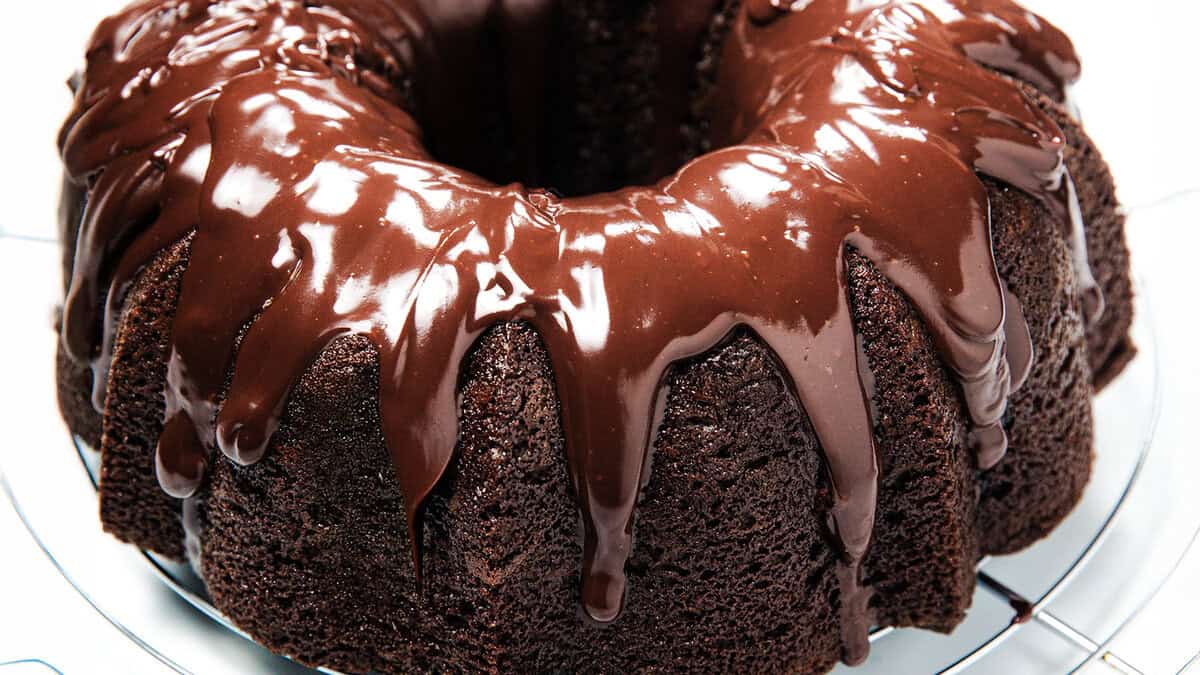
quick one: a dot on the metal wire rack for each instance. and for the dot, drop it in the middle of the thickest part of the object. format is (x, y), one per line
(1025, 610)
(30, 665)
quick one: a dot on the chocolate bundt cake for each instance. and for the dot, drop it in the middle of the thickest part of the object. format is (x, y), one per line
(369, 325)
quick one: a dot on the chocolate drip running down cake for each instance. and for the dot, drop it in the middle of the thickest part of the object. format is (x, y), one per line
(585, 335)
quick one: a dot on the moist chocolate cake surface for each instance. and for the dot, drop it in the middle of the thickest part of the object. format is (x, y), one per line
(377, 334)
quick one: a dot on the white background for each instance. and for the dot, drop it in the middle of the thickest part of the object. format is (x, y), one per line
(1139, 99)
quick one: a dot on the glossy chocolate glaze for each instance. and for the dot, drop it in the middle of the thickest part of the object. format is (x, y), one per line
(283, 135)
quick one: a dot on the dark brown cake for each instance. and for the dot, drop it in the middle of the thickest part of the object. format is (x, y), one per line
(741, 562)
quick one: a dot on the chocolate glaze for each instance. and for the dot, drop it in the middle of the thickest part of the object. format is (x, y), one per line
(284, 135)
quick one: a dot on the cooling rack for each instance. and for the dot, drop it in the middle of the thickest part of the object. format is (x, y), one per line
(1014, 594)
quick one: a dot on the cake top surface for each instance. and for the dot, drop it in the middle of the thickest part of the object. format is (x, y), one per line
(286, 140)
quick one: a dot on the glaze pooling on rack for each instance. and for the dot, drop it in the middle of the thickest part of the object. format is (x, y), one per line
(276, 133)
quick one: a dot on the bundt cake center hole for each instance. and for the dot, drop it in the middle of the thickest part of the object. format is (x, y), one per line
(589, 98)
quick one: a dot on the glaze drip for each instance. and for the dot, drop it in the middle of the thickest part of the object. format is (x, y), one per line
(278, 134)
